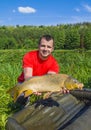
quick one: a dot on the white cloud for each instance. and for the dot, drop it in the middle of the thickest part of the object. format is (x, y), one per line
(87, 7)
(26, 10)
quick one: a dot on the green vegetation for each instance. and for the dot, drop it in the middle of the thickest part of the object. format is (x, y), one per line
(70, 36)
(74, 62)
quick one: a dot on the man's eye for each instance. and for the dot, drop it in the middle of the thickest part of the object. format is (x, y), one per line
(49, 47)
(42, 45)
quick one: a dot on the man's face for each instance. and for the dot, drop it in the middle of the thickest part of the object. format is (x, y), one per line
(45, 48)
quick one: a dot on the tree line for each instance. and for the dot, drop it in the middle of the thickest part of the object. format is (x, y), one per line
(68, 36)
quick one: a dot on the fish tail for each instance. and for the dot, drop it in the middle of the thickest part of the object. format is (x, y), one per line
(8, 91)
(11, 92)
(16, 95)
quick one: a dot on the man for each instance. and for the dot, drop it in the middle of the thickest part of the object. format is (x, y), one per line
(39, 62)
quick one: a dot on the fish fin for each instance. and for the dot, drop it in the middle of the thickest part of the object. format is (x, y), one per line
(14, 93)
(15, 97)
(28, 92)
(46, 95)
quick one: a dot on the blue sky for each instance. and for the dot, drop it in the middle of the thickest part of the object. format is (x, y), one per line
(44, 12)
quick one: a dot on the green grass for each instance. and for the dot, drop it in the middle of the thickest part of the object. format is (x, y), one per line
(75, 63)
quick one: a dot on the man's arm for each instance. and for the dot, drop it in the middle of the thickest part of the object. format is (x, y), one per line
(28, 73)
(51, 72)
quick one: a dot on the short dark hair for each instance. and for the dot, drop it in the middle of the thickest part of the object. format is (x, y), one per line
(47, 37)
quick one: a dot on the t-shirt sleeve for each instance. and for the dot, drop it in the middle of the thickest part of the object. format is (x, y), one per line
(27, 61)
(54, 66)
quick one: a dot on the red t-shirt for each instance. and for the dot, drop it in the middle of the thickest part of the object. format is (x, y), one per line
(40, 67)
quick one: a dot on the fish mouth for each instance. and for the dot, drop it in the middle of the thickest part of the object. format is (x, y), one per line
(78, 86)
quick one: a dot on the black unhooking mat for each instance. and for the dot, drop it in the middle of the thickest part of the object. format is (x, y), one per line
(59, 112)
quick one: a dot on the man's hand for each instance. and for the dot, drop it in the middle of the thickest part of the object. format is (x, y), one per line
(37, 93)
(64, 90)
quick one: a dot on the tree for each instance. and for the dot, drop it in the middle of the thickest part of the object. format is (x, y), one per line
(72, 39)
(87, 39)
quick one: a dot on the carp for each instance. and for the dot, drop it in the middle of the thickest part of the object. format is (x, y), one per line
(44, 84)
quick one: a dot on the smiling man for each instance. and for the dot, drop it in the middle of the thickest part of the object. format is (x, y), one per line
(37, 63)
(40, 62)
